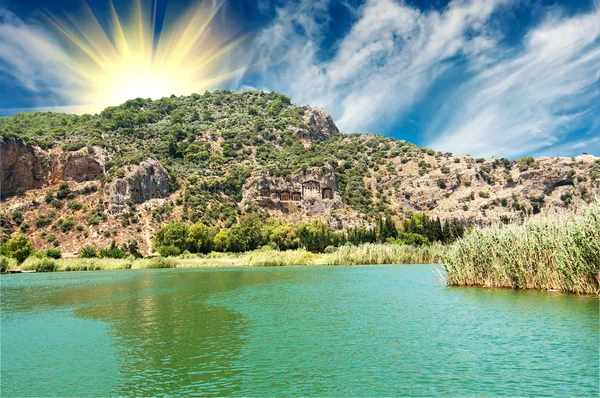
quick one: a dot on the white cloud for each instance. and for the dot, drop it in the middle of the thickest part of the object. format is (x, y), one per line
(529, 102)
(30, 55)
(512, 101)
(386, 62)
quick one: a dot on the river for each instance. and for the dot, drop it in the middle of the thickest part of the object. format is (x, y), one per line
(318, 331)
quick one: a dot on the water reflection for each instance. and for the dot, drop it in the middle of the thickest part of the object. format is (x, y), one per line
(391, 330)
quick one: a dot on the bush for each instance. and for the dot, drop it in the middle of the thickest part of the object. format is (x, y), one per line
(74, 205)
(57, 204)
(18, 248)
(45, 265)
(112, 252)
(53, 253)
(3, 264)
(88, 252)
(169, 251)
(41, 222)
(162, 262)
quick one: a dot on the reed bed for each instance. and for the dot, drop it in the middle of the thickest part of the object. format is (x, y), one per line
(384, 254)
(344, 255)
(539, 254)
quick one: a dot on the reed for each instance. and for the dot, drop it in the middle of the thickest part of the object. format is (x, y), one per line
(384, 254)
(561, 255)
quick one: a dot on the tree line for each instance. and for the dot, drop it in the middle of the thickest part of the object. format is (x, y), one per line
(253, 232)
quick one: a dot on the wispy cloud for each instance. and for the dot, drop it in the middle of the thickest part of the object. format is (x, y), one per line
(29, 54)
(530, 101)
(386, 62)
(510, 101)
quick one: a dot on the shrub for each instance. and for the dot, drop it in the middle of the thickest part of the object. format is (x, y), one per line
(41, 222)
(45, 265)
(88, 252)
(329, 249)
(19, 248)
(169, 251)
(162, 262)
(67, 225)
(112, 252)
(74, 205)
(3, 264)
(57, 204)
(53, 253)
(441, 183)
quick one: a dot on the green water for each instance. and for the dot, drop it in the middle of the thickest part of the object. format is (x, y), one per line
(373, 330)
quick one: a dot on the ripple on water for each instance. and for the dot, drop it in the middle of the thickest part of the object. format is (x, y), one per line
(376, 330)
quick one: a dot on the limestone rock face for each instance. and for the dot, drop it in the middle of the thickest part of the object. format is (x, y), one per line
(319, 125)
(313, 192)
(82, 166)
(27, 167)
(18, 164)
(142, 182)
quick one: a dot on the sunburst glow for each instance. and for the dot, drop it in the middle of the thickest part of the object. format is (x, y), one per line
(125, 58)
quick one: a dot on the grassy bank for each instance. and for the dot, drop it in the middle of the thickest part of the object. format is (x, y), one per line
(345, 255)
(547, 255)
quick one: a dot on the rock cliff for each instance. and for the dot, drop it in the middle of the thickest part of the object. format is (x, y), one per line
(318, 124)
(142, 182)
(26, 167)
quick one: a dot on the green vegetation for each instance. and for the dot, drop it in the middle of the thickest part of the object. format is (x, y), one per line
(53, 253)
(263, 257)
(210, 144)
(547, 254)
(253, 232)
(18, 247)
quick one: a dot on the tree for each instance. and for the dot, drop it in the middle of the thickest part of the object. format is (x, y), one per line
(315, 236)
(19, 248)
(172, 234)
(285, 237)
(198, 239)
(247, 235)
(221, 241)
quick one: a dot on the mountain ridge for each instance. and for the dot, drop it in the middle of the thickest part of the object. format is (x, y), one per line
(215, 156)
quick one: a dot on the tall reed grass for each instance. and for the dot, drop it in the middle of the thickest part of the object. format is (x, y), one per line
(344, 255)
(384, 254)
(540, 254)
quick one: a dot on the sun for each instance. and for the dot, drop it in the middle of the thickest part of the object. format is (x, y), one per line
(126, 58)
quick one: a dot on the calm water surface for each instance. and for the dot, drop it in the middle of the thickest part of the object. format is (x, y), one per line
(373, 330)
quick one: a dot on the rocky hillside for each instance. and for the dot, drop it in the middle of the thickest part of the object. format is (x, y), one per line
(70, 180)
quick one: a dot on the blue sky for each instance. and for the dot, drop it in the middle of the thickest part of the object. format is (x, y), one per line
(502, 78)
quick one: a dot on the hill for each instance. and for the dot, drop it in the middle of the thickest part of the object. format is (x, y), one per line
(70, 180)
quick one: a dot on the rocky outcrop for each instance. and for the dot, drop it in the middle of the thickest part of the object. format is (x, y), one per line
(319, 124)
(24, 166)
(312, 192)
(142, 182)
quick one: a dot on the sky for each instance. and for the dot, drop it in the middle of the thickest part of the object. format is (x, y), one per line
(503, 78)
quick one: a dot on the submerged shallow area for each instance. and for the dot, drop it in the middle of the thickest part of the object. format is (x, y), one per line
(360, 330)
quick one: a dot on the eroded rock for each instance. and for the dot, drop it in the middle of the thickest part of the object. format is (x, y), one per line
(319, 124)
(142, 182)
(25, 166)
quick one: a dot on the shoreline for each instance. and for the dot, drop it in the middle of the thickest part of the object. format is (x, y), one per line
(357, 255)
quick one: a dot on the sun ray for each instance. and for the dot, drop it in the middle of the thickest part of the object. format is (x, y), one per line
(124, 58)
